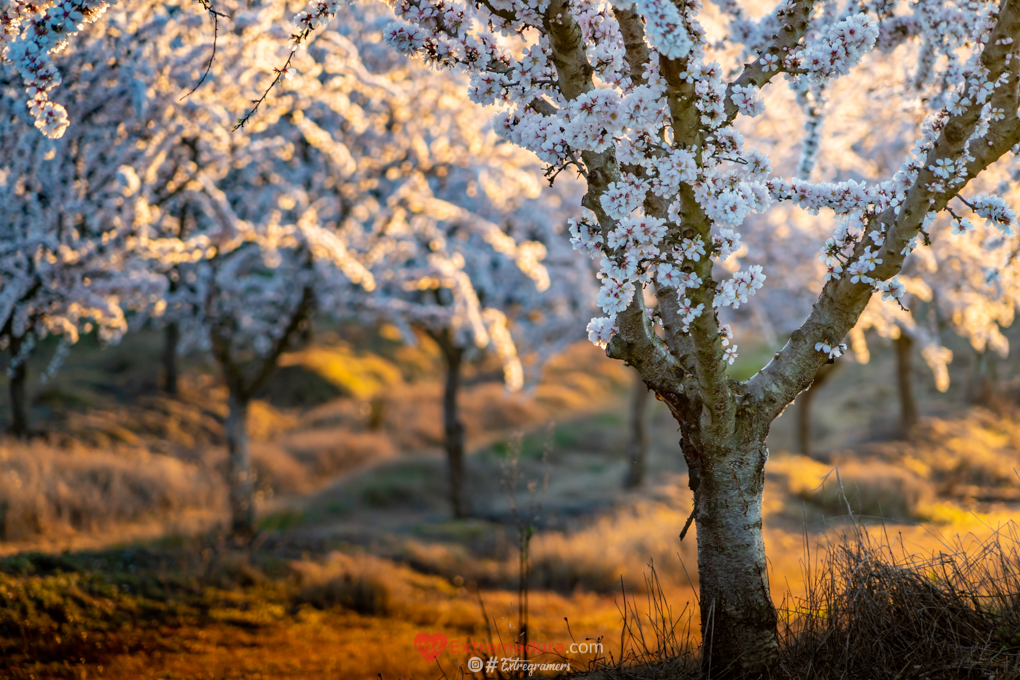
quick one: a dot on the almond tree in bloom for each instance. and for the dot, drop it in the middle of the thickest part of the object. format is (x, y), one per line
(69, 214)
(462, 243)
(469, 285)
(235, 219)
(367, 186)
(629, 96)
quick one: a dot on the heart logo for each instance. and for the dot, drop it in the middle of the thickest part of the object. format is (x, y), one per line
(430, 645)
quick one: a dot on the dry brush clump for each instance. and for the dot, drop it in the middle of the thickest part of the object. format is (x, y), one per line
(870, 610)
(614, 547)
(866, 610)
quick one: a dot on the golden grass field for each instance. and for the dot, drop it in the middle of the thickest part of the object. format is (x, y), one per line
(115, 565)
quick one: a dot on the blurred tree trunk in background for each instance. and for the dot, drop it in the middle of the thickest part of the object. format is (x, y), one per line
(244, 379)
(984, 380)
(804, 403)
(239, 472)
(905, 377)
(171, 339)
(637, 448)
(18, 377)
(453, 429)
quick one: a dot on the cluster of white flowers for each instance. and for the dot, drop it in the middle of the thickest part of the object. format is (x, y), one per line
(841, 47)
(996, 211)
(737, 289)
(319, 12)
(31, 34)
(666, 26)
(601, 330)
(892, 289)
(747, 101)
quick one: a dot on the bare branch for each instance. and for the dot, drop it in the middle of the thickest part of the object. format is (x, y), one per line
(208, 6)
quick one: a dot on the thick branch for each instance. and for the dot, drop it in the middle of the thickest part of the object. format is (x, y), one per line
(841, 302)
(636, 50)
(637, 345)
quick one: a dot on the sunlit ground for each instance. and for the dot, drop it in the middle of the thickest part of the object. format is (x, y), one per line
(115, 566)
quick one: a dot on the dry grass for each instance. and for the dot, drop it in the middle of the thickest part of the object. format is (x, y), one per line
(151, 457)
(866, 610)
(614, 547)
(972, 454)
(871, 487)
(49, 491)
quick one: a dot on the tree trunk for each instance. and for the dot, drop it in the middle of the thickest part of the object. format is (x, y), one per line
(638, 446)
(738, 619)
(18, 380)
(239, 473)
(171, 338)
(905, 377)
(454, 431)
(804, 403)
(984, 389)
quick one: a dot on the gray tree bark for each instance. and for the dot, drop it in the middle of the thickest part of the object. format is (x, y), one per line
(239, 473)
(637, 447)
(18, 394)
(738, 619)
(244, 380)
(905, 379)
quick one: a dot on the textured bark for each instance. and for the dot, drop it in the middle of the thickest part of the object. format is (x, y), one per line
(19, 398)
(171, 338)
(905, 378)
(637, 448)
(804, 402)
(453, 429)
(239, 473)
(738, 619)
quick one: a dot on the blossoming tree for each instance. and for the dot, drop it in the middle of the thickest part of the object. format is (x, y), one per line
(233, 219)
(469, 285)
(341, 197)
(628, 96)
(461, 241)
(69, 214)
